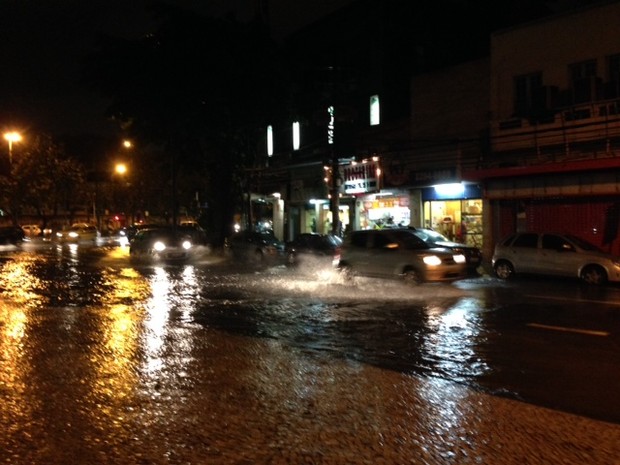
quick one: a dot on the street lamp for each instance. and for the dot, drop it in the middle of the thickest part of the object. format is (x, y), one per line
(12, 137)
(120, 168)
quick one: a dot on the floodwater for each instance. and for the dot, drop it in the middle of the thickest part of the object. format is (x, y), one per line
(107, 361)
(431, 329)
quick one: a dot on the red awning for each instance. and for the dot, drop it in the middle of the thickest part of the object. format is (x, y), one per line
(548, 168)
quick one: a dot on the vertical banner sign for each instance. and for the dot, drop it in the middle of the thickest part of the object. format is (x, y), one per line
(330, 125)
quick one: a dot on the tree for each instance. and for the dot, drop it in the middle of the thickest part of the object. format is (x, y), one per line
(199, 88)
(43, 180)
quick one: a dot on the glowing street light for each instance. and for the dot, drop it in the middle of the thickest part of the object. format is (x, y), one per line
(12, 137)
(120, 168)
(127, 144)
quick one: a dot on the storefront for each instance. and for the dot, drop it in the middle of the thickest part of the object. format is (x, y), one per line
(454, 210)
(383, 209)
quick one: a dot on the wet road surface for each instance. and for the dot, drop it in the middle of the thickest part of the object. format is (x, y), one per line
(105, 362)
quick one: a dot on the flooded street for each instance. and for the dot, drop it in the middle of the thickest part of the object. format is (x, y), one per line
(106, 361)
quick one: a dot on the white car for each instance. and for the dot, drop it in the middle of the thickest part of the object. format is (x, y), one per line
(398, 253)
(79, 232)
(553, 254)
(31, 230)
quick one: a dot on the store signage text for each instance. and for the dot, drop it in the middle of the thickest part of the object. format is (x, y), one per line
(360, 178)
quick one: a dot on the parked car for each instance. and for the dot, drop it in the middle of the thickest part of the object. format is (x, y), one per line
(554, 254)
(12, 235)
(79, 232)
(473, 255)
(32, 230)
(162, 243)
(393, 253)
(255, 246)
(313, 248)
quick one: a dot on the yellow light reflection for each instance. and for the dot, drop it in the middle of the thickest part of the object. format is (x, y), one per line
(157, 309)
(452, 344)
(19, 284)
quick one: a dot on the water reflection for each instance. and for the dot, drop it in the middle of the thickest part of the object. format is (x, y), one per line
(452, 342)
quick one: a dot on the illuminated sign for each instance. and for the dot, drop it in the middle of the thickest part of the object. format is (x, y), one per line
(330, 125)
(361, 178)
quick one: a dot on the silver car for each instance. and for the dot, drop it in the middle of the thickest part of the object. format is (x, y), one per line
(398, 253)
(554, 254)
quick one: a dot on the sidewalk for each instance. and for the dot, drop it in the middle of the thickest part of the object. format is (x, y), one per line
(205, 397)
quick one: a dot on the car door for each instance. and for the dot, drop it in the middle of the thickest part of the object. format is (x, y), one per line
(385, 256)
(558, 256)
(524, 253)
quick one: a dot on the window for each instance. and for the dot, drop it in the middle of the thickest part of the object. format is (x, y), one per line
(526, 240)
(582, 70)
(382, 241)
(553, 242)
(359, 239)
(375, 114)
(270, 140)
(583, 81)
(296, 136)
(613, 67)
(613, 78)
(526, 87)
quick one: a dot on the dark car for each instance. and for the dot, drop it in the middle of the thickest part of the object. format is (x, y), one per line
(162, 244)
(11, 235)
(473, 255)
(256, 246)
(313, 249)
(398, 253)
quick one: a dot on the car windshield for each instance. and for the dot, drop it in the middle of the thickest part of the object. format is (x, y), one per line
(583, 244)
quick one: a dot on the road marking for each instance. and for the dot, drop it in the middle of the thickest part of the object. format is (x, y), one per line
(588, 332)
(603, 302)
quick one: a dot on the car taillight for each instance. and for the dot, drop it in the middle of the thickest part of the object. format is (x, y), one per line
(336, 257)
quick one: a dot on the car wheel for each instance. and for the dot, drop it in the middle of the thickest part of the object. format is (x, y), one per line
(258, 256)
(504, 269)
(593, 274)
(412, 277)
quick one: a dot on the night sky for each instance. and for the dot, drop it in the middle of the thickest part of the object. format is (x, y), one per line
(41, 42)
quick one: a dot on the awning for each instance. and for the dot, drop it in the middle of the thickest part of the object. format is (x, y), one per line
(547, 168)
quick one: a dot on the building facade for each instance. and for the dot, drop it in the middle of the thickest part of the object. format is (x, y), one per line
(525, 138)
(554, 128)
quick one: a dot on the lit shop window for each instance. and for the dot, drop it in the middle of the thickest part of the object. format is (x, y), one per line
(296, 135)
(270, 140)
(374, 110)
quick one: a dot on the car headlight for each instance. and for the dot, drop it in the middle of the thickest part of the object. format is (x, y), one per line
(459, 258)
(73, 234)
(186, 245)
(159, 246)
(432, 260)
